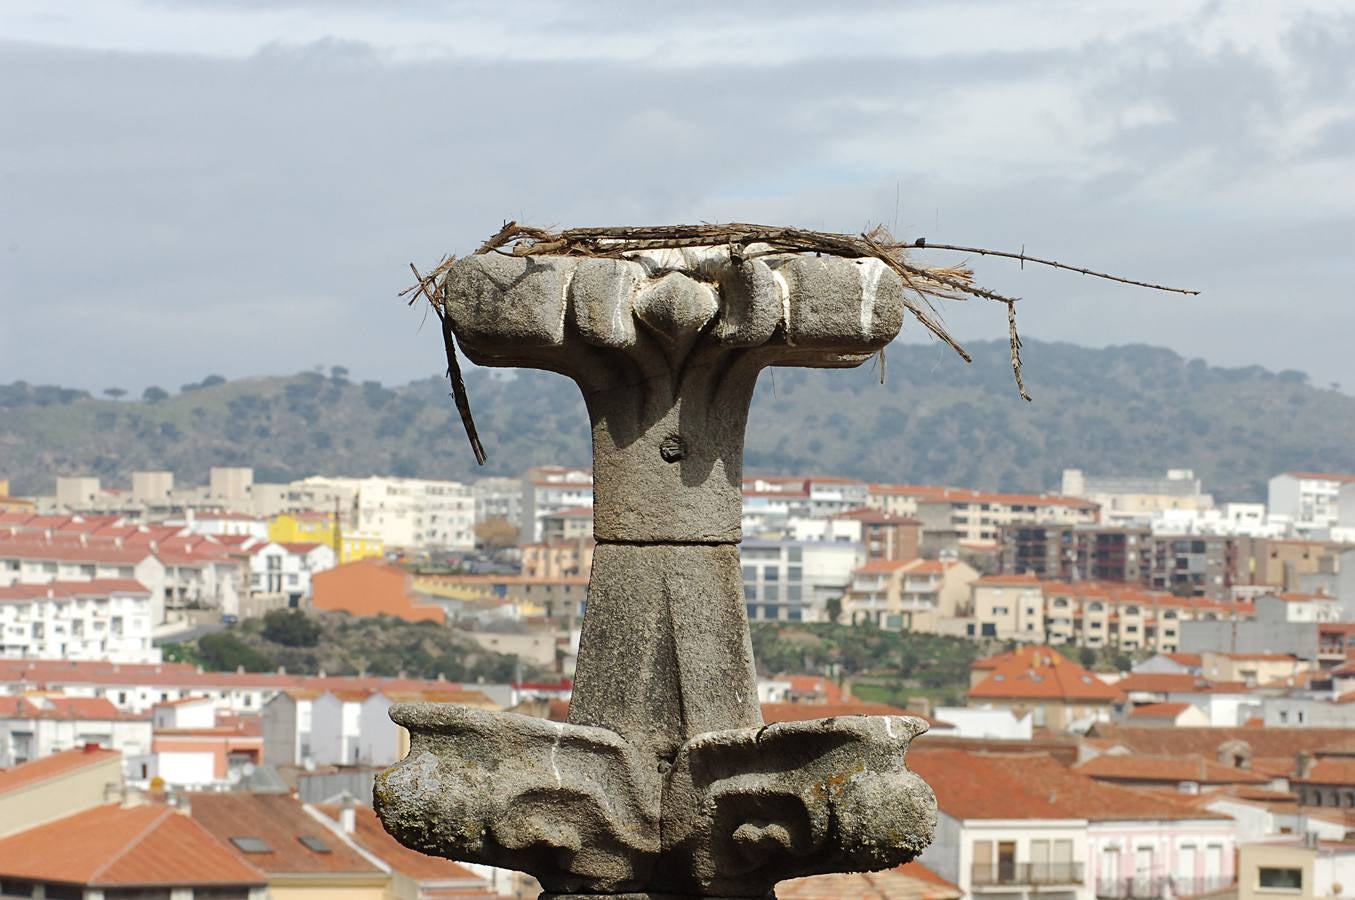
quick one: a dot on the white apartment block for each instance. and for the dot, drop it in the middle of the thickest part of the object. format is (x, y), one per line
(1310, 500)
(975, 517)
(413, 513)
(794, 580)
(547, 490)
(1127, 500)
(283, 571)
(498, 498)
(33, 727)
(92, 620)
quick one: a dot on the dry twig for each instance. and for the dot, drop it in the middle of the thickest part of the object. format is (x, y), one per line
(926, 283)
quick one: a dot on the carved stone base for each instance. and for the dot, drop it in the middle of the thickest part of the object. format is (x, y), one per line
(733, 813)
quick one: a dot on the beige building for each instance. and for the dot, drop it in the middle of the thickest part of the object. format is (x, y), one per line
(1087, 613)
(558, 559)
(1252, 668)
(59, 785)
(919, 595)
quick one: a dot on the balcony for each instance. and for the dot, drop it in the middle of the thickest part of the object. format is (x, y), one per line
(1020, 874)
(1157, 887)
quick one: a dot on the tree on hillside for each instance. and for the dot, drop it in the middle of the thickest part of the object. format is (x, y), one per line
(154, 394)
(291, 628)
(496, 533)
(224, 652)
(116, 393)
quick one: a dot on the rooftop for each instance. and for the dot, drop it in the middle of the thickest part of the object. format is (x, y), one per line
(1188, 767)
(54, 766)
(113, 846)
(268, 830)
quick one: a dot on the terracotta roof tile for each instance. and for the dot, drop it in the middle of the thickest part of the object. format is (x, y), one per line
(912, 881)
(54, 766)
(280, 822)
(1330, 771)
(1035, 673)
(1191, 767)
(112, 846)
(1207, 741)
(1035, 786)
(1159, 710)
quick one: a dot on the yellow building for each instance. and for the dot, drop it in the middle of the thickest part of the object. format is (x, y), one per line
(13, 504)
(319, 528)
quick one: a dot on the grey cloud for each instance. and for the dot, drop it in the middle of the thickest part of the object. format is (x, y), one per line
(167, 216)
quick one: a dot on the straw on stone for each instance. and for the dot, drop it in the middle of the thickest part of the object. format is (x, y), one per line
(926, 283)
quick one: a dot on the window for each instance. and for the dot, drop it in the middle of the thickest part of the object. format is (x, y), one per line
(793, 554)
(251, 845)
(770, 573)
(793, 593)
(1280, 879)
(749, 592)
(794, 573)
(314, 843)
(771, 592)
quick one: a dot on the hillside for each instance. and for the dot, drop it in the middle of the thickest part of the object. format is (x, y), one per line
(1121, 409)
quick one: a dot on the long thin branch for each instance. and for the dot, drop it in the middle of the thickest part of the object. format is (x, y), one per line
(923, 244)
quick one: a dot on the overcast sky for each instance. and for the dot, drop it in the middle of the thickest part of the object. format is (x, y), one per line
(237, 187)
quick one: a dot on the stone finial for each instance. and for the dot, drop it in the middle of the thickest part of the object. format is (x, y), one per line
(664, 781)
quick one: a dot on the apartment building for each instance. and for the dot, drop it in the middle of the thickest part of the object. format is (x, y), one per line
(497, 498)
(100, 619)
(1076, 552)
(1023, 825)
(795, 580)
(35, 726)
(52, 787)
(1089, 614)
(1310, 500)
(977, 517)
(321, 527)
(922, 595)
(551, 489)
(1125, 500)
(884, 535)
(1056, 692)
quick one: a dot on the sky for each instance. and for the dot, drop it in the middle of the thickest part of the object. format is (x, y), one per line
(238, 188)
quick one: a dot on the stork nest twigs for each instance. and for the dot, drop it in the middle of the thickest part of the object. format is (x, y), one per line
(925, 284)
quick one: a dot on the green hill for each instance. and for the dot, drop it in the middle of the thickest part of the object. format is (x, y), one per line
(1130, 409)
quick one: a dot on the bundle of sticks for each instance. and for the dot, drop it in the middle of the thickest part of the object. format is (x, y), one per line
(925, 284)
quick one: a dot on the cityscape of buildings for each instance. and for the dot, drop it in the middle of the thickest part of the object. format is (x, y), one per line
(1217, 758)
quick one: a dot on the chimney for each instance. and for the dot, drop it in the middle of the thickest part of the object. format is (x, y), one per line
(348, 814)
(184, 805)
(1303, 764)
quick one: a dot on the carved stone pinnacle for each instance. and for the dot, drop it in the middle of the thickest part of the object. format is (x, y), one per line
(664, 782)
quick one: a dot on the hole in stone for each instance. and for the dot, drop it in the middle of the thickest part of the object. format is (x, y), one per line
(673, 448)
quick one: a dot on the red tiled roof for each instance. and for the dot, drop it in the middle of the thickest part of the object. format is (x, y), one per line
(1026, 578)
(280, 822)
(1330, 771)
(85, 709)
(1191, 767)
(1039, 673)
(371, 835)
(1206, 741)
(1074, 795)
(112, 846)
(1185, 659)
(813, 684)
(1159, 683)
(872, 516)
(58, 551)
(1158, 710)
(53, 766)
(66, 590)
(300, 548)
(911, 881)
(803, 712)
(881, 567)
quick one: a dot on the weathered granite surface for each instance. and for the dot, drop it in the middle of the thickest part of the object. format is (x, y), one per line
(664, 782)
